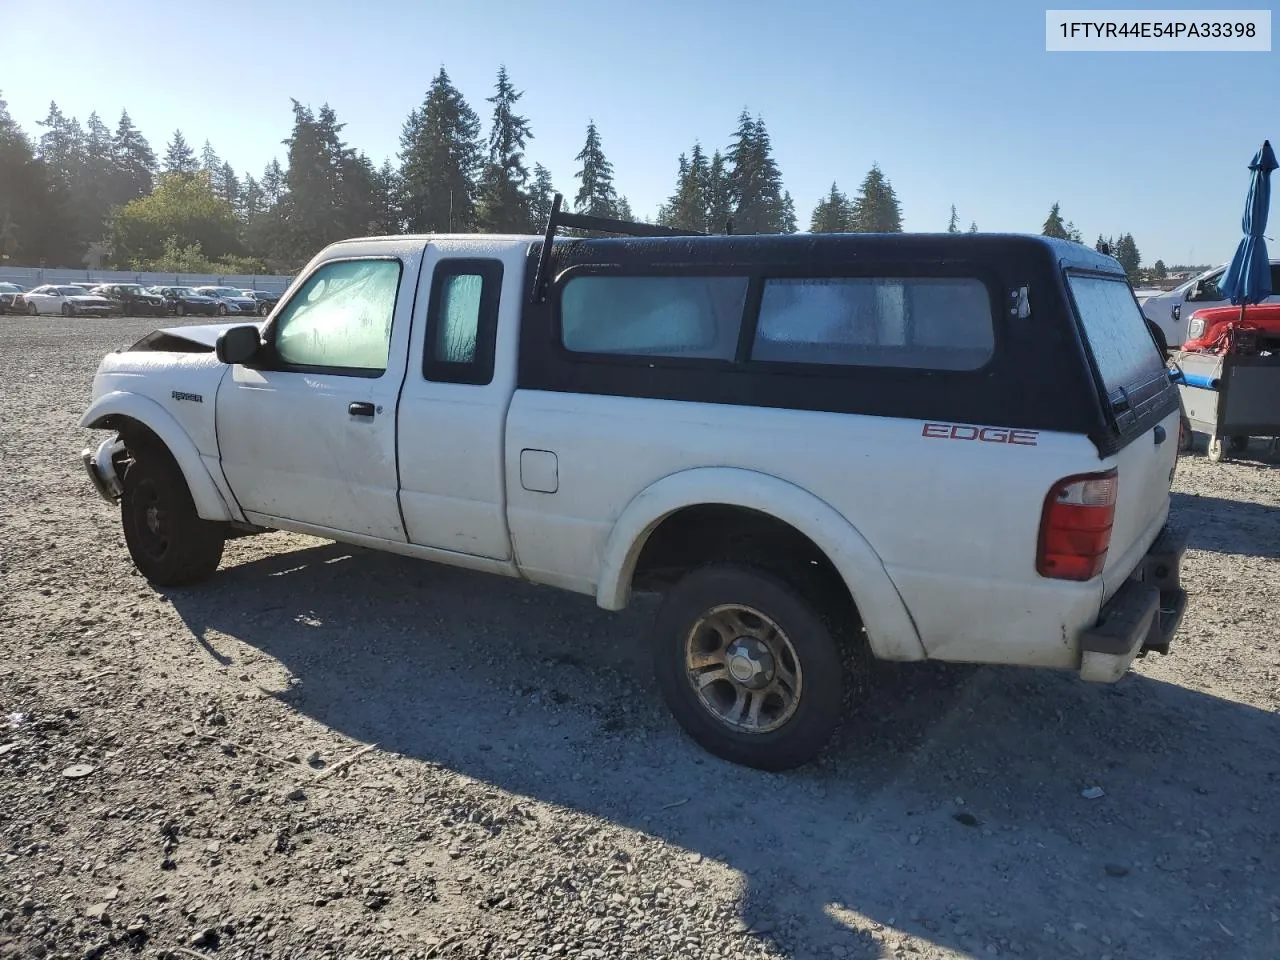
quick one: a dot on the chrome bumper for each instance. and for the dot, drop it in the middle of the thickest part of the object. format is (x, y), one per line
(100, 466)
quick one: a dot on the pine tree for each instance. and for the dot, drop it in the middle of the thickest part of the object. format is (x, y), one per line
(1073, 234)
(504, 205)
(1159, 271)
(755, 181)
(1126, 251)
(832, 214)
(624, 210)
(35, 220)
(953, 225)
(440, 159)
(542, 194)
(94, 193)
(179, 157)
(135, 162)
(973, 226)
(62, 148)
(229, 186)
(876, 208)
(596, 197)
(388, 200)
(689, 206)
(719, 195)
(1053, 225)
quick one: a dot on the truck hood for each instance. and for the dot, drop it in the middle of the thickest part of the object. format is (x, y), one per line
(195, 338)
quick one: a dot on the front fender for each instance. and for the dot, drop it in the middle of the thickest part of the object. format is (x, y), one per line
(890, 630)
(210, 502)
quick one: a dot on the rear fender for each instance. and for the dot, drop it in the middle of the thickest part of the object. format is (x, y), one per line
(890, 630)
(211, 503)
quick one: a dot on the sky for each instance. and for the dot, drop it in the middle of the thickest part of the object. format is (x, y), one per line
(959, 103)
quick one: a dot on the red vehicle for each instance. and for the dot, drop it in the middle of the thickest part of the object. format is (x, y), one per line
(1210, 329)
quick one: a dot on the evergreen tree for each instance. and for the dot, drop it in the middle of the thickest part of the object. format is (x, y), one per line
(973, 226)
(755, 181)
(1126, 251)
(1073, 234)
(689, 206)
(542, 195)
(179, 157)
(504, 206)
(229, 186)
(135, 162)
(35, 220)
(1053, 225)
(953, 225)
(1159, 271)
(273, 185)
(596, 197)
(719, 195)
(1101, 244)
(388, 198)
(210, 162)
(876, 208)
(440, 159)
(624, 210)
(94, 193)
(832, 214)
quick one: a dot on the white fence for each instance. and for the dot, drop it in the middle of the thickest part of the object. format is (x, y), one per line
(35, 276)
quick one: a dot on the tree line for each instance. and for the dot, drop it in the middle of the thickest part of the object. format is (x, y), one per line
(188, 211)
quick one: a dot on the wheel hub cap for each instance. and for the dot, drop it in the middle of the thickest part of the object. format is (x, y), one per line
(750, 663)
(153, 519)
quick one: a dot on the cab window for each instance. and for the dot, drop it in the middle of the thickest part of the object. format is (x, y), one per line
(340, 319)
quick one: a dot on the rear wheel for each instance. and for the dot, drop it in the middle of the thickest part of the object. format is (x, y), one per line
(171, 545)
(749, 667)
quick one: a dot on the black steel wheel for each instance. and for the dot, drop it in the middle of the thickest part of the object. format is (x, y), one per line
(170, 544)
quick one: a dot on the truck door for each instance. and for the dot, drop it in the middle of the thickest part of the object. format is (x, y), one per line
(453, 408)
(308, 435)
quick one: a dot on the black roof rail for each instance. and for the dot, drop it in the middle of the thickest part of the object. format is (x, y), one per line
(582, 221)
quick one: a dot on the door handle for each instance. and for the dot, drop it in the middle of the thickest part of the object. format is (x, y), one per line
(360, 409)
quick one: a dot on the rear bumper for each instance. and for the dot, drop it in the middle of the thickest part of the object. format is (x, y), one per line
(1143, 615)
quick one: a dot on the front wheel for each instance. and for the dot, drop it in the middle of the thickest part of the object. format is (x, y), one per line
(181, 309)
(222, 309)
(171, 545)
(33, 310)
(749, 668)
(66, 310)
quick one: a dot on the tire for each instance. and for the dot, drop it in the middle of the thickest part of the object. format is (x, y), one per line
(66, 309)
(1161, 340)
(170, 544)
(181, 309)
(262, 309)
(222, 309)
(1215, 449)
(727, 619)
(31, 309)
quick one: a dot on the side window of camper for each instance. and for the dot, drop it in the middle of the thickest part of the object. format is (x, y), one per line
(932, 323)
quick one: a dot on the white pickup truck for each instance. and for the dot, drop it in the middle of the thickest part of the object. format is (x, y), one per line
(819, 448)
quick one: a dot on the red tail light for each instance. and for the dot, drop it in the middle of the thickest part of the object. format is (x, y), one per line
(1075, 526)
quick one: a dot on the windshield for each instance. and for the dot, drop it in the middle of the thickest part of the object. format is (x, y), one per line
(73, 291)
(130, 288)
(184, 292)
(1116, 330)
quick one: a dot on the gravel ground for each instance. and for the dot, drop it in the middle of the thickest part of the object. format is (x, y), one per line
(330, 752)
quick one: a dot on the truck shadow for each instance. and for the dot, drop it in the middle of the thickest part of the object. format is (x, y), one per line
(951, 809)
(1220, 525)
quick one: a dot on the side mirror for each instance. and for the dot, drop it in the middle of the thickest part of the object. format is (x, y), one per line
(238, 345)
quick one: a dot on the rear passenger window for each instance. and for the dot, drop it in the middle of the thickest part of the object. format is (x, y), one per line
(462, 321)
(932, 323)
(697, 317)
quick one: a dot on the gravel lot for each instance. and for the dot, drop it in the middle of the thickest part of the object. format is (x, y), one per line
(528, 795)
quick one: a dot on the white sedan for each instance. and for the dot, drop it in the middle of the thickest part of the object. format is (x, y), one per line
(68, 301)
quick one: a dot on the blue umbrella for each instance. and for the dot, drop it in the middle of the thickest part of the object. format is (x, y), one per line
(1248, 279)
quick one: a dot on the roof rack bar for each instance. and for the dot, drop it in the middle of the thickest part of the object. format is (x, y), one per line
(583, 221)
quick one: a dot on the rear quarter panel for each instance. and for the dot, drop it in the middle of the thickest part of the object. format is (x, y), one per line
(952, 512)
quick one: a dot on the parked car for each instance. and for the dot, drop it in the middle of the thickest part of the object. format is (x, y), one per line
(230, 300)
(184, 300)
(819, 448)
(11, 299)
(266, 300)
(66, 299)
(1171, 311)
(133, 300)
